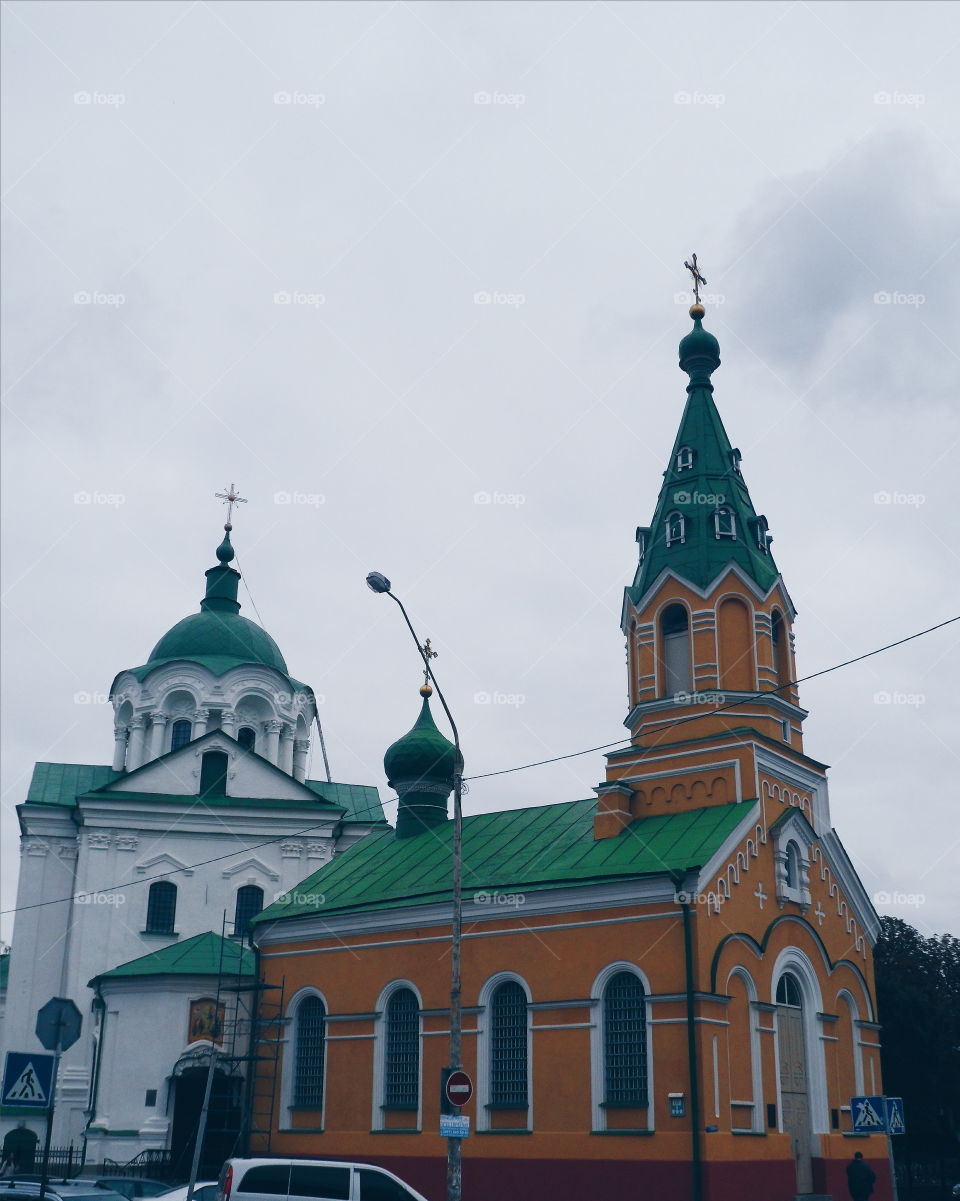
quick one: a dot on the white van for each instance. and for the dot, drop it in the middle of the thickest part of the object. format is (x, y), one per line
(310, 1180)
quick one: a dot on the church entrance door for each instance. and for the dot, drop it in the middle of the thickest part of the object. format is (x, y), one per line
(223, 1122)
(794, 1095)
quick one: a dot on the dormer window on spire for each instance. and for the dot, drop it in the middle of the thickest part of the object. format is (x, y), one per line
(760, 527)
(735, 458)
(724, 522)
(676, 528)
(684, 459)
(643, 538)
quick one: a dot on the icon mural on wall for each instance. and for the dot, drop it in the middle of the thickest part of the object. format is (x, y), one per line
(206, 1021)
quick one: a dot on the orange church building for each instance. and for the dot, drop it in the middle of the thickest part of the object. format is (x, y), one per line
(667, 989)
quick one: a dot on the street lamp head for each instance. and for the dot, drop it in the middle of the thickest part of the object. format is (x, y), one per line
(377, 582)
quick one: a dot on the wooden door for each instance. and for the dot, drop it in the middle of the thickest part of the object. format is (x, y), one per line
(794, 1096)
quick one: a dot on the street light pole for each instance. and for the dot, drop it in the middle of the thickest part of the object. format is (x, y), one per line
(379, 583)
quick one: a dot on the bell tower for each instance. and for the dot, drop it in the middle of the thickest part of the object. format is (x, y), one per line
(709, 627)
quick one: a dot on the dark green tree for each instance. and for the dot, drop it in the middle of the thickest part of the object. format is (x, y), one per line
(918, 998)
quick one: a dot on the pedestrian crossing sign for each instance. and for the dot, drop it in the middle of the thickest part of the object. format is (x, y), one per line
(869, 1115)
(27, 1080)
(896, 1124)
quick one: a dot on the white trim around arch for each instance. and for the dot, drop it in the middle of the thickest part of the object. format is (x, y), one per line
(597, 1053)
(288, 1067)
(853, 1030)
(377, 1121)
(793, 960)
(756, 1064)
(483, 1047)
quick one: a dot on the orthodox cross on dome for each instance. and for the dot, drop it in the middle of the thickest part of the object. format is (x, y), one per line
(428, 653)
(760, 894)
(232, 497)
(698, 279)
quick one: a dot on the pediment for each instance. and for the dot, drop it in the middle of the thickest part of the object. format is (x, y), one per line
(178, 774)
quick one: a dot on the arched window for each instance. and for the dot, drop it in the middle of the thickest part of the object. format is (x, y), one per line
(793, 865)
(161, 907)
(309, 1048)
(247, 737)
(249, 904)
(760, 528)
(788, 991)
(735, 458)
(676, 527)
(781, 657)
(213, 773)
(402, 1051)
(675, 640)
(724, 522)
(684, 458)
(625, 1041)
(508, 1046)
(180, 734)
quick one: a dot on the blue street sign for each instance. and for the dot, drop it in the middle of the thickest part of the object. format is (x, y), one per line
(27, 1079)
(896, 1123)
(869, 1115)
(452, 1126)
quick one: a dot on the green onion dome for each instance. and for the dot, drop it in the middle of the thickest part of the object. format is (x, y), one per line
(699, 351)
(421, 767)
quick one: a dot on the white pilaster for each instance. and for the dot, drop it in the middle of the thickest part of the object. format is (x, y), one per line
(273, 740)
(135, 747)
(158, 725)
(285, 762)
(301, 749)
(120, 736)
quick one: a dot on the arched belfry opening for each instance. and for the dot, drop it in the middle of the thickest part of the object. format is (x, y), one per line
(676, 675)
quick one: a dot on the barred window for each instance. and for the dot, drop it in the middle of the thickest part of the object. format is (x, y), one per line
(161, 907)
(625, 1041)
(249, 904)
(508, 1046)
(402, 1051)
(180, 735)
(309, 1054)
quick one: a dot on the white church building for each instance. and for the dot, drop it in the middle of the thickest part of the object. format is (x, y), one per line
(132, 872)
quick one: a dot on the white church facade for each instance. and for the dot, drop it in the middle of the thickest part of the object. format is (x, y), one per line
(138, 878)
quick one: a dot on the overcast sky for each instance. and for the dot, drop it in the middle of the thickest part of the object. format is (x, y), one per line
(253, 241)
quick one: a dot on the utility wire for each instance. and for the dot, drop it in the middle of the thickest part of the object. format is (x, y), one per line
(504, 771)
(721, 708)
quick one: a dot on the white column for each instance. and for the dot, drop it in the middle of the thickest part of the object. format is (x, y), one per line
(285, 762)
(228, 722)
(120, 735)
(301, 748)
(200, 719)
(135, 747)
(159, 724)
(273, 740)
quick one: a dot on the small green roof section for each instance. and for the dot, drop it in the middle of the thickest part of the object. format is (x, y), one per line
(518, 850)
(4, 969)
(62, 783)
(712, 481)
(201, 955)
(360, 802)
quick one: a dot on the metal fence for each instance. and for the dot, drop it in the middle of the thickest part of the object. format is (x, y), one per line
(926, 1177)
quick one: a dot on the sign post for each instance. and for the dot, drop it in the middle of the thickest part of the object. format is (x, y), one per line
(880, 1115)
(58, 1028)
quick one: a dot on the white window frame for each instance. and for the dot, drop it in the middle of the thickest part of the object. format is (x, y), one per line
(793, 833)
(724, 511)
(377, 1117)
(853, 1016)
(671, 539)
(597, 1050)
(754, 1016)
(483, 1047)
(288, 1067)
(685, 458)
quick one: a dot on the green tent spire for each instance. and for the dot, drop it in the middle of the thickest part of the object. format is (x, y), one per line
(704, 519)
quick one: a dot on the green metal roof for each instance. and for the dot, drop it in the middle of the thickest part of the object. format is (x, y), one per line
(361, 802)
(518, 850)
(221, 635)
(62, 783)
(696, 491)
(4, 969)
(200, 955)
(198, 803)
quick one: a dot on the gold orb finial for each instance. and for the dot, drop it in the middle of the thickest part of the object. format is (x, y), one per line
(697, 311)
(426, 690)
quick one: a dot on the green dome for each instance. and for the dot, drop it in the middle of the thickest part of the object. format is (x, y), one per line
(222, 634)
(422, 754)
(699, 350)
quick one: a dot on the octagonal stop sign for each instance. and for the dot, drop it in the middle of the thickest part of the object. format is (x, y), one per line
(58, 1024)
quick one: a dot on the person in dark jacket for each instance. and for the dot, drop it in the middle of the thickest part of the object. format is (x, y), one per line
(860, 1178)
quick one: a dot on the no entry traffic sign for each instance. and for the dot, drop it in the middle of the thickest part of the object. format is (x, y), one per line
(458, 1088)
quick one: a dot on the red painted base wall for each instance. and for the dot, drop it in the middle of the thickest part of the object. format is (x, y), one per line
(593, 1180)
